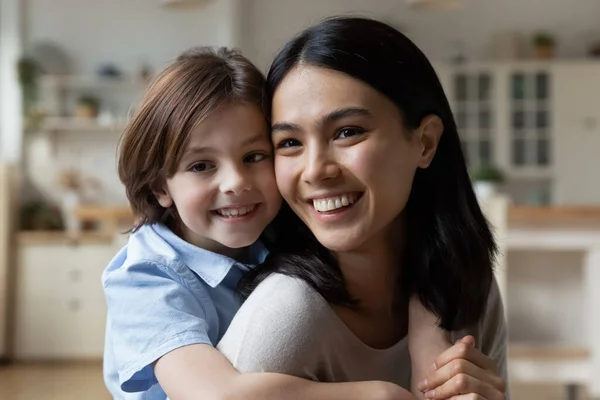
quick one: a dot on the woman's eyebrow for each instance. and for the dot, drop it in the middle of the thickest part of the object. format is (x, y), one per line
(285, 127)
(345, 112)
(328, 118)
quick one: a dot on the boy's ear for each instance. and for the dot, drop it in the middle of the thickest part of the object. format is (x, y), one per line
(161, 193)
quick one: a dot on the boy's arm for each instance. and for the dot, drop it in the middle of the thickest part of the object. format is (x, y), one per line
(202, 372)
(276, 336)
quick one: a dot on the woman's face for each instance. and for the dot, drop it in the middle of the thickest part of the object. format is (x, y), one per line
(344, 161)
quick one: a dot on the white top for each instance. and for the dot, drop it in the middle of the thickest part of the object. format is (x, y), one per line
(286, 326)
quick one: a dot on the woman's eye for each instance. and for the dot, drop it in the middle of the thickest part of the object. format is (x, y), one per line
(285, 143)
(349, 132)
(254, 157)
(201, 167)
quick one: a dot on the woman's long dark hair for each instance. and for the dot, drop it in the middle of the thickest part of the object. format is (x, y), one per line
(450, 249)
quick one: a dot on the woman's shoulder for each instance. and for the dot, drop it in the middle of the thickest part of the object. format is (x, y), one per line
(280, 293)
(491, 335)
(279, 328)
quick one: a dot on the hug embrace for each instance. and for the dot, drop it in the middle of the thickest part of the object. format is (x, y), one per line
(311, 235)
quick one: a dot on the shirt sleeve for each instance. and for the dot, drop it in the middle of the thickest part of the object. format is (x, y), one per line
(494, 334)
(491, 334)
(275, 330)
(152, 312)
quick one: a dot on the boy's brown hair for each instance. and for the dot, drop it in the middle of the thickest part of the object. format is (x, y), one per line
(195, 85)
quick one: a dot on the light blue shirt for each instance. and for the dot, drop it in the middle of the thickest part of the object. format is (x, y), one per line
(164, 293)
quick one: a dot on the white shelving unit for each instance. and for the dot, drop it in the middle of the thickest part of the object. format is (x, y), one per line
(90, 81)
(574, 363)
(58, 124)
(59, 96)
(537, 121)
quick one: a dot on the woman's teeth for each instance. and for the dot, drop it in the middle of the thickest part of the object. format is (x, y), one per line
(334, 203)
(235, 212)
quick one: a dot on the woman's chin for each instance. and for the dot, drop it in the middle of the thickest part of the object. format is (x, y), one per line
(339, 243)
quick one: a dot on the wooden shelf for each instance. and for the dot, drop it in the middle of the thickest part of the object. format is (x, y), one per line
(91, 82)
(112, 218)
(549, 363)
(56, 124)
(547, 352)
(525, 214)
(62, 237)
(100, 212)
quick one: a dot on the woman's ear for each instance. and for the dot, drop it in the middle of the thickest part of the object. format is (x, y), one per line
(429, 134)
(161, 193)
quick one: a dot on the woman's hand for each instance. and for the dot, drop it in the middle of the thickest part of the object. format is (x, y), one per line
(463, 373)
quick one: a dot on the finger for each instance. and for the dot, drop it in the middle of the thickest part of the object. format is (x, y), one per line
(469, 339)
(460, 366)
(470, 396)
(463, 384)
(465, 352)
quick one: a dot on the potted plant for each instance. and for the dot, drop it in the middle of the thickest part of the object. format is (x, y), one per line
(28, 71)
(486, 179)
(543, 46)
(87, 107)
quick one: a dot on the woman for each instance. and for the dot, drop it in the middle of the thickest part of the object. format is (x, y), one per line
(381, 209)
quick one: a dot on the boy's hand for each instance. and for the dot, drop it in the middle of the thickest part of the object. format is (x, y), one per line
(463, 372)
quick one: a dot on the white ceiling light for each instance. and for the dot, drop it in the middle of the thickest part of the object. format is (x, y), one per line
(434, 4)
(176, 2)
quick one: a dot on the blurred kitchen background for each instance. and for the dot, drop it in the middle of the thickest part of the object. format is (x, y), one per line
(523, 77)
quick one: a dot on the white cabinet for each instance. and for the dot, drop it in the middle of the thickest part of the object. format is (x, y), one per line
(60, 305)
(577, 172)
(537, 121)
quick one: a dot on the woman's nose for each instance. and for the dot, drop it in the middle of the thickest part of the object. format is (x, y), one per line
(320, 165)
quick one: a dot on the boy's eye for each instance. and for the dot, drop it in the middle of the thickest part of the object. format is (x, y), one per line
(254, 157)
(201, 167)
(349, 132)
(288, 143)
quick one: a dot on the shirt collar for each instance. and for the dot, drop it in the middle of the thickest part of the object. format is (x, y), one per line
(211, 267)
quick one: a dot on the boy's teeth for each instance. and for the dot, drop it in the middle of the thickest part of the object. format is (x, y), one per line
(235, 212)
(334, 203)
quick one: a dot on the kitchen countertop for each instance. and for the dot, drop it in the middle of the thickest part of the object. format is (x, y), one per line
(559, 217)
(118, 218)
(515, 213)
(62, 237)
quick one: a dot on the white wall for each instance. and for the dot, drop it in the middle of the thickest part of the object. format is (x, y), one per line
(129, 32)
(575, 23)
(10, 93)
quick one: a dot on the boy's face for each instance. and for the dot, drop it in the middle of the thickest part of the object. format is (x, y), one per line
(224, 189)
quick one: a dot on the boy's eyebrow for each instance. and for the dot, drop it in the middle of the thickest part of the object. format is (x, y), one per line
(262, 136)
(259, 137)
(326, 119)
